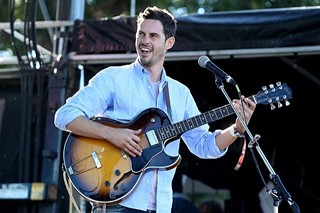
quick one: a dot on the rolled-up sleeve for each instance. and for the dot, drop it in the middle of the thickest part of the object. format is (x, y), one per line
(204, 146)
(89, 101)
(65, 115)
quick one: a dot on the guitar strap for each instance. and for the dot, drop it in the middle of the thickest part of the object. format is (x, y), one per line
(69, 188)
(166, 92)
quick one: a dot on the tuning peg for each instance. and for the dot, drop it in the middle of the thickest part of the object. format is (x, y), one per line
(278, 83)
(264, 88)
(272, 106)
(279, 103)
(287, 103)
(272, 87)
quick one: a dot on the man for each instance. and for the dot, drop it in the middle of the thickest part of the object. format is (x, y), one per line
(122, 92)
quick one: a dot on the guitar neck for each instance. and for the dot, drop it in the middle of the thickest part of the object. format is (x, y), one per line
(196, 121)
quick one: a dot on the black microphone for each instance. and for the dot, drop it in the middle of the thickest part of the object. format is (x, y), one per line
(205, 62)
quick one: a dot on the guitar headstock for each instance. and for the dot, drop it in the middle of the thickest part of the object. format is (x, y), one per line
(274, 94)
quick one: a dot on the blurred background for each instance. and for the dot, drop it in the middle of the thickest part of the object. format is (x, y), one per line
(49, 49)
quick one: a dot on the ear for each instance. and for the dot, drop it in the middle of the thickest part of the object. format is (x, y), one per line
(170, 42)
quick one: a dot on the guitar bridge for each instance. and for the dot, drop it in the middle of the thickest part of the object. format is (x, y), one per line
(70, 170)
(96, 159)
(96, 164)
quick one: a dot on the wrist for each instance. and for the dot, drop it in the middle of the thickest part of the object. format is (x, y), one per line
(234, 131)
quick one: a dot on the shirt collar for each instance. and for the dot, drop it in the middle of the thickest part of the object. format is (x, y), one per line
(140, 69)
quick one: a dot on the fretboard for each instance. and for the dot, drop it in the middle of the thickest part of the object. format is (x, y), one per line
(176, 129)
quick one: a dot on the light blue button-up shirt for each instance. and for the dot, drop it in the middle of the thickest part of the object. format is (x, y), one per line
(122, 92)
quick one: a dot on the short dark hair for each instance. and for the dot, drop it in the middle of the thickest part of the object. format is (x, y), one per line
(168, 21)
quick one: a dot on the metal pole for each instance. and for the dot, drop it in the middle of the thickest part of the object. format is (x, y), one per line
(133, 8)
(77, 9)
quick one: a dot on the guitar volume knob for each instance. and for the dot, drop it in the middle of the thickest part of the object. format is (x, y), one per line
(117, 172)
(123, 187)
(112, 196)
(107, 183)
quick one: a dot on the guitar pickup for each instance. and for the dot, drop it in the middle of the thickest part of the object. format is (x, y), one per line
(152, 137)
(96, 159)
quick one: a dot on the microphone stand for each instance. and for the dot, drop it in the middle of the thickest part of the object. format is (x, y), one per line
(279, 191)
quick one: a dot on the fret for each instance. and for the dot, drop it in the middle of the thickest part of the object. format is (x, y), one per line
(173, 130)
(207, 117)
(197, 118)
(165, 132)
(194, 121)
(219, 113)
(168, 132)
(215, 114)
(161, 134)
(224, 111)
(211, 118)
(229, 109)
(204, 119)
(184, 125)
(177, 127)
(188, 122)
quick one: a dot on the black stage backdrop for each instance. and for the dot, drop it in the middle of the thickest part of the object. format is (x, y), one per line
(211, 31)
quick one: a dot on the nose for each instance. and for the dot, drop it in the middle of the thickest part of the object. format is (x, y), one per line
(145, 39)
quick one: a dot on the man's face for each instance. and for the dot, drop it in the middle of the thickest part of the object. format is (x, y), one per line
(151, 44)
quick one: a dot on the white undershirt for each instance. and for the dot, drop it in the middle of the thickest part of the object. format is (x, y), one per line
(155, 87)
(152, 203)
(153, 194)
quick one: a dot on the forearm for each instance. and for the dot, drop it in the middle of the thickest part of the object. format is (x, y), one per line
(225, 138)
(85, 127)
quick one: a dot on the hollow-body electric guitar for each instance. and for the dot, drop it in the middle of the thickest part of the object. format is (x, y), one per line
(103, 173)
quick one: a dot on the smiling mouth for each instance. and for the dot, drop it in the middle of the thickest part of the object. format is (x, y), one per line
(145, 50)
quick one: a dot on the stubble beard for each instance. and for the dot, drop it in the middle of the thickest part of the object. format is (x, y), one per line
(145, 62)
